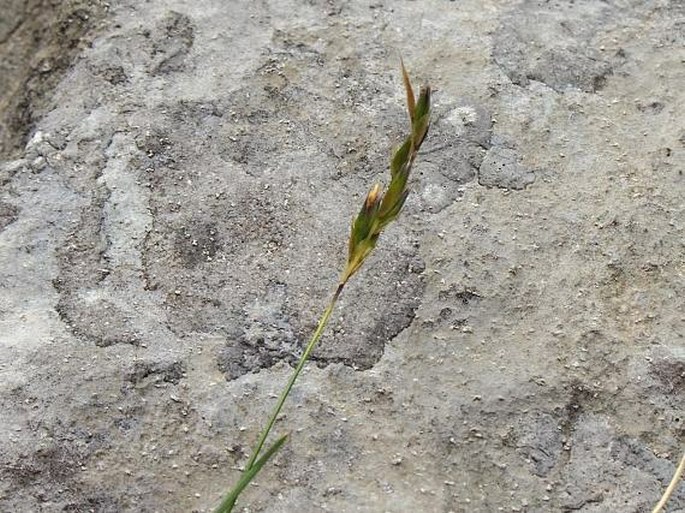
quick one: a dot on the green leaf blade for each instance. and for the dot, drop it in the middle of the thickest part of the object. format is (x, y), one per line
(228, 502)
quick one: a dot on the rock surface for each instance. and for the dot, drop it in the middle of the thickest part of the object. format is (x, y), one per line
(176, 186)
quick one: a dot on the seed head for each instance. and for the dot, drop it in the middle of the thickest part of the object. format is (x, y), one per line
(380, 208)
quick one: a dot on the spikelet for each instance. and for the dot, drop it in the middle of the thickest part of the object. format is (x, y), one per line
(381, 208)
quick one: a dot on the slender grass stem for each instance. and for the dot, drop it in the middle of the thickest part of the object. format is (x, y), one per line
(671, 487)
(300, 365)
(229, 501)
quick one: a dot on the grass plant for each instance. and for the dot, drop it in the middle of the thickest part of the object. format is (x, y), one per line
(380, 208)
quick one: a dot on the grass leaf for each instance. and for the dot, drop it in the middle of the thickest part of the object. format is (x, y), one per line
(248, 474)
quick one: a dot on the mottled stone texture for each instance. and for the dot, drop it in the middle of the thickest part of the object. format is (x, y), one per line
(176, 187)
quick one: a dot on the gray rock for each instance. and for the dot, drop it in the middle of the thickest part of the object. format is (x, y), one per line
(177, 182)
(501, 168)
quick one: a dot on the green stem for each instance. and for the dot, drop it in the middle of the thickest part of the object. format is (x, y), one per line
(300, 365)
(229, 501)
